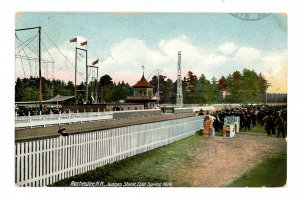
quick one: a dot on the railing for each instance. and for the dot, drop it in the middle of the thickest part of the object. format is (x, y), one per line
(57, 119)
(50, 119)
(43, 162)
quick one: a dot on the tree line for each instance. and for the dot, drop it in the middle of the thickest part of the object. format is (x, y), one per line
(239, 87)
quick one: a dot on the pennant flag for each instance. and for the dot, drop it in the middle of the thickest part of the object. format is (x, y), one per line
(73, 40)
(83, 43)
(95, 62)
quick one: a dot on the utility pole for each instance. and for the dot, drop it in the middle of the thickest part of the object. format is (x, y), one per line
(52, 92)
(86, 79)
(75, 74)
(158, 85)
(40, 70)
(40, 61)
(158, 74)
(179, 97)
(97, 87)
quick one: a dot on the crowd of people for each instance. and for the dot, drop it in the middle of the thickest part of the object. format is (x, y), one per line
(26, 110)
(273, 118)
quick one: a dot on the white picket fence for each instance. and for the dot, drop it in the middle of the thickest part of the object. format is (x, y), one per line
(57, 119)
(43, 162)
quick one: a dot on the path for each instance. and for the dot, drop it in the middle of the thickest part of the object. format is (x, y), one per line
(220, 161)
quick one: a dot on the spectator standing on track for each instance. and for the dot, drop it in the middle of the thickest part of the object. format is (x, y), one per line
(212, 129)
(268, 122)
(201, 112)
(273, 125)
(253, 118)
(248, 121)
(280, 126)
(207, 125)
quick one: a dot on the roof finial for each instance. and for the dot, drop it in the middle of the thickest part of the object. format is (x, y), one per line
(143, 67)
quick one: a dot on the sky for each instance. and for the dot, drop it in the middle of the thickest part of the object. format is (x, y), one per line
(213, 44)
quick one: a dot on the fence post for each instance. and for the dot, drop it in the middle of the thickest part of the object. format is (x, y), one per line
(29, 118)
(59, 117)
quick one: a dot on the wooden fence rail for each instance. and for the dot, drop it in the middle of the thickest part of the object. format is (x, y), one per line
(43, 162)
(57, 119)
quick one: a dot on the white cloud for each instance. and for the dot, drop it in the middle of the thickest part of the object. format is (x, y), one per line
(227, 48)
(274, 60)
(279, 80)
(131, 54)
(63, 70)
(126, 58)
(248, 56)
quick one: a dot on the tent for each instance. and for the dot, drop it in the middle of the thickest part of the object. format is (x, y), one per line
(57, 98)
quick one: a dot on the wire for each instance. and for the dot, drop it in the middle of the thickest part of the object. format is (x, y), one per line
(28, 61)
(52, 74)
(48, 72)
(35, 67)
(52, 70)
(164, 73)
(62, 53)
(150, 75)
(25, 54)
(47, 51)
(23, 68)
(26, 45)
(32, 58)
(22, 43)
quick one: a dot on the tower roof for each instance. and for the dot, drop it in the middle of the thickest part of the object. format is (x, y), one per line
(143, 83)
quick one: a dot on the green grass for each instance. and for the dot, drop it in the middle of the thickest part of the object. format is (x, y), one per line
(272, 172)
(157, 165)
(160, 165)
(258, 129)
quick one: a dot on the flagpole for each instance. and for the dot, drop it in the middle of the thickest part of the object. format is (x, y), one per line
(75, 74)
(86, 79)
(97, 87)
(40, 71)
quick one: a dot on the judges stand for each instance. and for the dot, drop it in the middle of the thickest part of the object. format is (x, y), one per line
(231, 126)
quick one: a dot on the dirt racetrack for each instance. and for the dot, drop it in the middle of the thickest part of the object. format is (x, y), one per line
(221, 161)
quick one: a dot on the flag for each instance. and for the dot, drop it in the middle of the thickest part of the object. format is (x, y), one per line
(83, 43)
(95, 62)
(73, 40)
